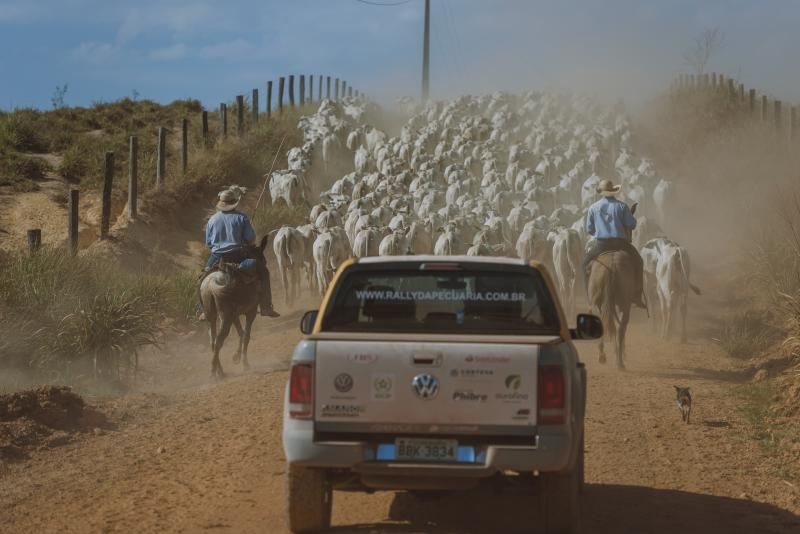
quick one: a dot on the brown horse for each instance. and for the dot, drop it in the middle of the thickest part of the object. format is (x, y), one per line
(226, 295)
(611, 294)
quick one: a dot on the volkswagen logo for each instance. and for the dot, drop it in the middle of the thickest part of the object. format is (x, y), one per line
(425, 386)
(343, 383)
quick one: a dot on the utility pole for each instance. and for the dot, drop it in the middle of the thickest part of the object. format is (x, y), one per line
(426, 54)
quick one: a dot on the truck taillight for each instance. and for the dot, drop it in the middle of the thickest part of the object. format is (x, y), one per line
(551, 395)
(301, 391)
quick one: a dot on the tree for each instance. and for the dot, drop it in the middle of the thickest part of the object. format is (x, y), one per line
(705, 45)
(58, 96)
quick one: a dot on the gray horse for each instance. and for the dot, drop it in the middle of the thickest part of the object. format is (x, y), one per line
(227, 294)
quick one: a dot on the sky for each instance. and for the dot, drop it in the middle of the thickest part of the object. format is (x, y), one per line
(212, 50)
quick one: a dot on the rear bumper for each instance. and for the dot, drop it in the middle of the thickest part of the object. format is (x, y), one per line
(551, 451)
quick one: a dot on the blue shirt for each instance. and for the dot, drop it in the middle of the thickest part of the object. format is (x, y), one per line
(609, 218)
(228, 230)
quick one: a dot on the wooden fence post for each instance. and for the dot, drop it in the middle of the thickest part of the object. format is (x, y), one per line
(269, 99)
(752, 101)
(310, 88)
(350, 92)
(161, 156)
(108, 181)
(291, 90)
(34, 240)
(133, 177)
(731, 88)
(254, 104)
(741, 92)
(713, 80)
(223, 116)
(281, 85)
(184, 145)
(239, 115)
(328, 87)
(778, 115)
(792, 123)
(205, 129)
(72, 220)
(344, 89)
(764, 104)
(302, 89)
(336, 87)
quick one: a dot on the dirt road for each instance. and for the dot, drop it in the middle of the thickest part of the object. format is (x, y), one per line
(209, 458)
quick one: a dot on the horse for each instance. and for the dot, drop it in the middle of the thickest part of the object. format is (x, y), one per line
(226, 295)
(612, 293)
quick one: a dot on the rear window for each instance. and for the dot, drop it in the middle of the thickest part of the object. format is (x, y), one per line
(462, 302)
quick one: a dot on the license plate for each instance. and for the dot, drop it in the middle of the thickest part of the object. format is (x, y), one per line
(426, 450)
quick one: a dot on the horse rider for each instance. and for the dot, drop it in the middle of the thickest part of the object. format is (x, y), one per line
(228, 232)
(611, 222)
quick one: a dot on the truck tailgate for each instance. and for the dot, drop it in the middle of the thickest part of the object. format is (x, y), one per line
(368, 387)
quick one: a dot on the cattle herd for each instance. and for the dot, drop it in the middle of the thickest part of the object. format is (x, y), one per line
(498, 175)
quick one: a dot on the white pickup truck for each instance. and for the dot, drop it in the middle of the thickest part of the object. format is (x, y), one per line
(431, 373)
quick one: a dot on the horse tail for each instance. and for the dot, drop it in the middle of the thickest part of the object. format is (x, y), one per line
(607, 307)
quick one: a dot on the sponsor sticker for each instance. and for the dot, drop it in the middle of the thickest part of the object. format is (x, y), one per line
(362, 358)
(342, 410)
(383, 387)
(523, 414)
(468, 374)
(343, 383)
(488, 359)
(513, 395)
(469, 396)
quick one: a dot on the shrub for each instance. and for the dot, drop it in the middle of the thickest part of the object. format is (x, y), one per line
(109, 330)
(749, 333)
(20, 130)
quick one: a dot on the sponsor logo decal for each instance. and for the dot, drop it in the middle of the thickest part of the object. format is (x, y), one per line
(471, 373)
(382, 387)
(342, 410)
(425, 386)
(513, 395)
(469, 396)
(343, 382)
(513, 382)
(487, 359)
(523, 414)
(362, 358)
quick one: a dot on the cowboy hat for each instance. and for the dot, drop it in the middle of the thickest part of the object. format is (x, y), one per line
(607, 188)
(229, 198)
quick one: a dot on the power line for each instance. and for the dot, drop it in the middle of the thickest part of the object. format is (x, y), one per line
(384, 4)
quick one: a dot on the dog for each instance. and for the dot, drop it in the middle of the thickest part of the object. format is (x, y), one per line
(684, 403)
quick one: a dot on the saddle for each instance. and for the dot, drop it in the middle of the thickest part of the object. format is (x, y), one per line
(245, 272)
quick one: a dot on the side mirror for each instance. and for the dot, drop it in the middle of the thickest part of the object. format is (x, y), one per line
(589, 327)
(308, 321)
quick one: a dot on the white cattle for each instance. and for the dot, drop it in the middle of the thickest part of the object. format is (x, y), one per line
(448, 243)
(567, 253)
(672, 273)
(420, 237)
(367, 242)
(664, 200)
(287, 185)
(394, 244)
(330, 249)
(289, 247)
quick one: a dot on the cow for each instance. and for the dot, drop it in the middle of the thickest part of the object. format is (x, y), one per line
(329, 249)
(567, 254)
(366, 242)
(672, 272)
(288, 186)
(394, 244)
(289, 247)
